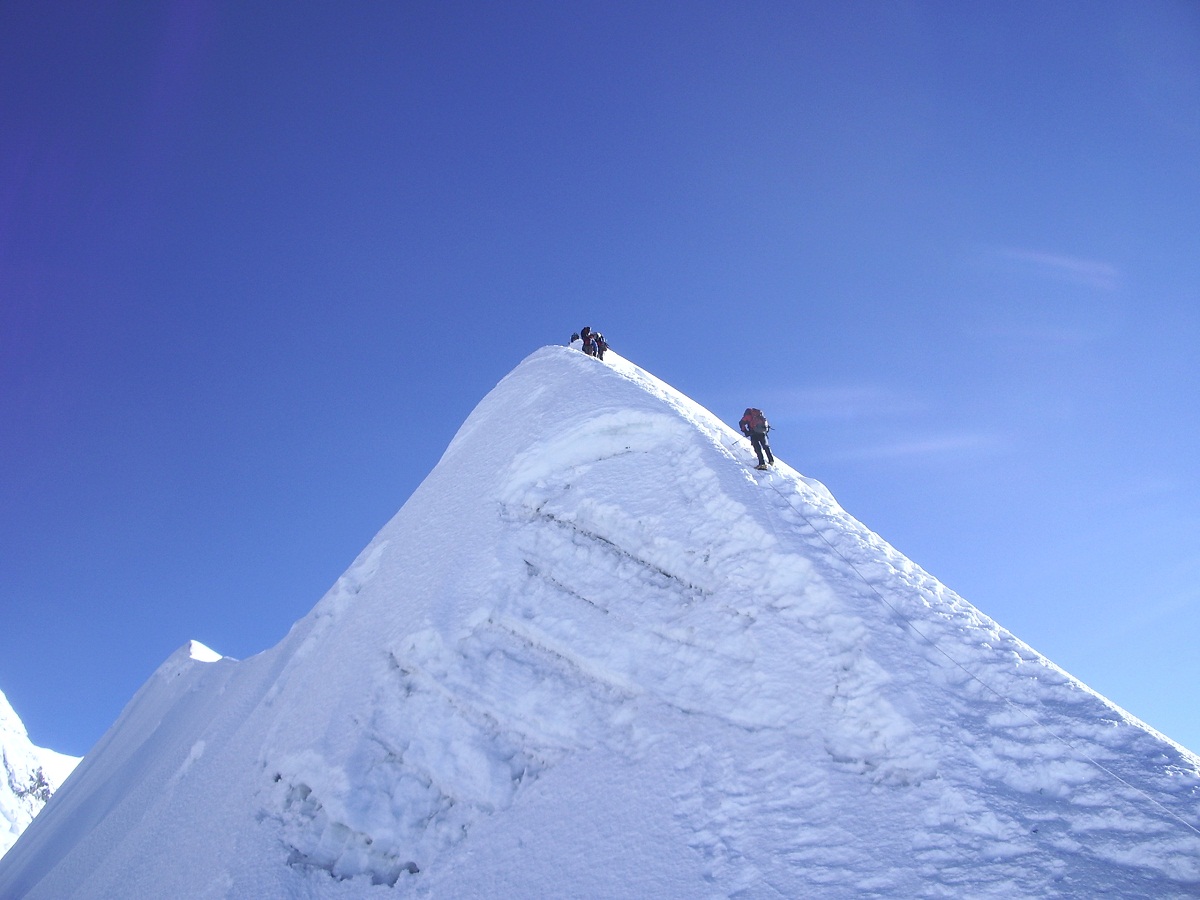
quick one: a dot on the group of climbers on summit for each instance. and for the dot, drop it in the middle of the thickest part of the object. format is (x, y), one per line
(593, 341)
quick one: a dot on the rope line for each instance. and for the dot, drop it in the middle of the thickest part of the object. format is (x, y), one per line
(932, 643)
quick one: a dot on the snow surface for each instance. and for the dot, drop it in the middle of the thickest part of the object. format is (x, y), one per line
(28, 775)
(596, 654)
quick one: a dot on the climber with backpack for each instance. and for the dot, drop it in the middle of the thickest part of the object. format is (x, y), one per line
(593, 343)
(754, 425)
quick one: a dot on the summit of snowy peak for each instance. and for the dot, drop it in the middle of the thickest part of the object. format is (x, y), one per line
(185, 659)
(201, 653)
(596, 631)
(10, 722)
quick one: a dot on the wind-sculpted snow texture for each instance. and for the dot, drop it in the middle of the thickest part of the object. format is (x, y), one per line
(598, 655)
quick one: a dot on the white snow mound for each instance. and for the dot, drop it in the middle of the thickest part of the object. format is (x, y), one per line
(200, 653)
(596, 654)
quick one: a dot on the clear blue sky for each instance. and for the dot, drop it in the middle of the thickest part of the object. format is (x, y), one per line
(259, 261)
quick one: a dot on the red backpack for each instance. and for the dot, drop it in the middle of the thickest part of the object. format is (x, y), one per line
(753, 420)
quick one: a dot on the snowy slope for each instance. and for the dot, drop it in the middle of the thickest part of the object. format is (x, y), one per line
(28, 775)
(597, 655)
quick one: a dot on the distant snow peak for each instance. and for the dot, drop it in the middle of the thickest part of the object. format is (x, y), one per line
(30, 776)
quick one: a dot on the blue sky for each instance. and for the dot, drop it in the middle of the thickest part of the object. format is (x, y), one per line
(259, 261)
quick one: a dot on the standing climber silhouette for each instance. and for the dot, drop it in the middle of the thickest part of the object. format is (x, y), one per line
(754, 425)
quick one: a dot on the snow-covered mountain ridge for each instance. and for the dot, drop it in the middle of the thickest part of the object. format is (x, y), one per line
(29, 775)
(596, 654)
